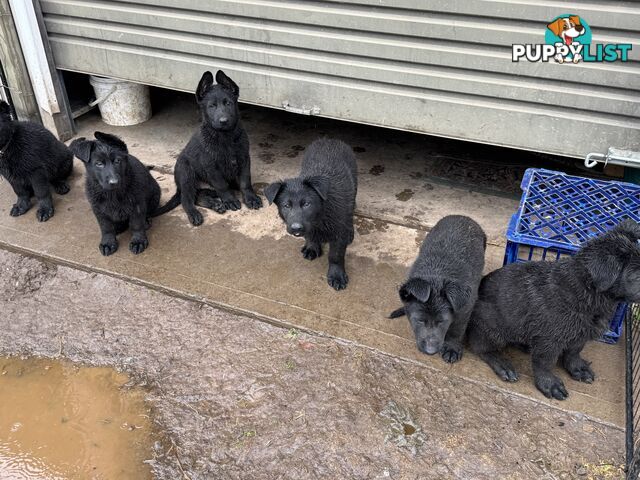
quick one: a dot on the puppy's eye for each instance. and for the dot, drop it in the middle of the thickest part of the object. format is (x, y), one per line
(99, 164)
(226, 102)
(116, 161)
(306, 205)
(286, 205)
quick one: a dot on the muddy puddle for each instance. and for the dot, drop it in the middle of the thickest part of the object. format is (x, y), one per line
(59, 421)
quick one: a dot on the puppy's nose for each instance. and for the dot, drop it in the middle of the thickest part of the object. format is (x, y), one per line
(113, 181)
(297, 229)
(224, 120)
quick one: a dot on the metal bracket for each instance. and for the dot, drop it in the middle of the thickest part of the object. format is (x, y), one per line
(614, 156)
(303, 110)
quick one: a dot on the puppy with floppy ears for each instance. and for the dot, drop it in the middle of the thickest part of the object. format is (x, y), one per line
(33, 161)
(554, 308)
(217, 154)
(442, 287)
(318, 204)
(120, 189)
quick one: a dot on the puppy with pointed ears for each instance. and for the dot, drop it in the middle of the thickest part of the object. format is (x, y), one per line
(33, 161)
(318, 204)
(216, 155)
(120, 189)
(442, 287)
(553, 308)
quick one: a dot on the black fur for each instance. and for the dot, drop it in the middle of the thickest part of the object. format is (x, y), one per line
(120, 189)
(32, 160)
(442, 287)
(217, 154)
(553, 308)
(318, 204)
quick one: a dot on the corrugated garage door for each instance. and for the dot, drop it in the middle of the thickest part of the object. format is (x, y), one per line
(434, 66)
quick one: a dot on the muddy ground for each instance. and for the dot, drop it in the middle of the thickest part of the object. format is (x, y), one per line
(234, 397)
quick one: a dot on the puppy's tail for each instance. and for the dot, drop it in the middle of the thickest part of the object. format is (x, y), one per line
(170, 205)
(397, 313)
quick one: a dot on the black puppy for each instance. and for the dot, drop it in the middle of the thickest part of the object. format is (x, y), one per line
(217, 154)
(553, 308)
(120, 189)
(443, 285)
(318, 205)
(33, 161)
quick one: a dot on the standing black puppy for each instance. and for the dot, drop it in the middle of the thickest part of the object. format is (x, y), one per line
(318, 205)
(553, 308)
(120, 189)
(443, 285)
(217, 154)
(33, 161)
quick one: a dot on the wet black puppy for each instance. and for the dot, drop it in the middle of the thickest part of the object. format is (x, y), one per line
(442, 287)
(554, 308)
(120, 189)
(318, 205)
(32, 160)
(217, 154)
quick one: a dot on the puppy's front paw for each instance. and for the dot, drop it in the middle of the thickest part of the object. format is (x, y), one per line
(311, 252)
(232, 204)
(337, 278)
(61, 188)
(108, 247)
(583, 373)
(44, 213)
(252, 201)
(195, 218)
(552, 387)
(451, 353)
(138, 245)
(19, 209)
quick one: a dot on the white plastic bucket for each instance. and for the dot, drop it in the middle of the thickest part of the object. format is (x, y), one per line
(121, 103)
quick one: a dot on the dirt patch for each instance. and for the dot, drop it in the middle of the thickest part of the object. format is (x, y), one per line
(365, 226)
(267, 157)
(376, 170)
(405, 195)
(24, 277)
(238, 398)
(59, 420)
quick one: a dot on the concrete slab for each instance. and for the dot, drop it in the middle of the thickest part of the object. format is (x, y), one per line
(244, 262)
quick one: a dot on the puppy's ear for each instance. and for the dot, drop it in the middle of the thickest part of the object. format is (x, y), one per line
(319, 184)
(112, 141)
(457, 295)
(226, 82)
(416, 288)
(82, 149)
(576, 20)
(604, 270)
(397, 313)
(5, 108)
(556, 26)
(272, 191)
(206, 82)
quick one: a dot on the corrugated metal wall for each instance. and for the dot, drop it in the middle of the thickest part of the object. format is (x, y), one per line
(435, 66)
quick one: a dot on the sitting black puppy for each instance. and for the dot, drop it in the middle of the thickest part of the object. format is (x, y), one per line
(443, 285)
(553, 308)
(32, 160)
(120, 189)
(217, 154)
(318, 205)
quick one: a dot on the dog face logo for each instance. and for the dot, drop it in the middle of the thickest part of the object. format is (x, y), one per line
(567, 29)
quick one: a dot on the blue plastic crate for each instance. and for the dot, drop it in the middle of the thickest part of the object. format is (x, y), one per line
(559, 212)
